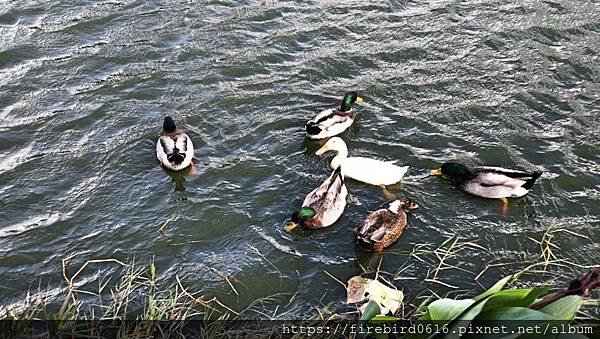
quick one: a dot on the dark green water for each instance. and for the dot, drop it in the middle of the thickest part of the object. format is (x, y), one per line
(84, 87)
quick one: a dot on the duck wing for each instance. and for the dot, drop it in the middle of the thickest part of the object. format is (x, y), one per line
(175, 151)
(332, 121)
(377, 225)
(494, 176)
(373, 171)
(175, 147)
(506, 171)
(329, 199)
(489, 179)
(497, 182)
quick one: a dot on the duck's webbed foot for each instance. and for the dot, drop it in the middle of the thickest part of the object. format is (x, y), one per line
(388, 195)
(504, 205)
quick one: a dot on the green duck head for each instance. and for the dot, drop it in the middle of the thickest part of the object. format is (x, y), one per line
(305, 213)
(454, 170)
(349, 99)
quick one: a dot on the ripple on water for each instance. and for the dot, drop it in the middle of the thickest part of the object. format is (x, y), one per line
(88, 86)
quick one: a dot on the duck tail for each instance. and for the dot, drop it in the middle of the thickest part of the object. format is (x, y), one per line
(338, 171)
(312, 128)
(529, 182)
(176, 157)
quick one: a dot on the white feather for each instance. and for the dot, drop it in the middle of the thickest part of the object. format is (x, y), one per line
(367, 170)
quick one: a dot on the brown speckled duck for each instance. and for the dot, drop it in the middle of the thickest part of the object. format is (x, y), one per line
(383, 227)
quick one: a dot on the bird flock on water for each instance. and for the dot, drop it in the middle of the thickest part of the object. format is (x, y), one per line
(323, 206)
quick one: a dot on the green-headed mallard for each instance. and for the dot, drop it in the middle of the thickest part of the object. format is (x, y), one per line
(383, 227)
(333, 121)
(174, 149)
(370, 171)
(323, 206)
(489, 182)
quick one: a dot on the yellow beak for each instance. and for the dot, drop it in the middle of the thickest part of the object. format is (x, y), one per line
(359, 99)
(437, 171)
(290, 226)
(322, 150)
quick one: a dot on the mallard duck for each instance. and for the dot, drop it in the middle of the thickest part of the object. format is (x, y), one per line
(383, 227)
(489, 182)
(174, 149)
(333, 121)
(323, 206)
(367, 170)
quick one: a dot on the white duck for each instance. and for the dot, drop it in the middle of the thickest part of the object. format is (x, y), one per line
(174, 149)
(367, 170)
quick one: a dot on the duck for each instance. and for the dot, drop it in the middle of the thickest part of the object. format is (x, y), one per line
(370, 171)
(489, 182)
(383, 227)
(333, 121)
(174, 149)
(323, 206)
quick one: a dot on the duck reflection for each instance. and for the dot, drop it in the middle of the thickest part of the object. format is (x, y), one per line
(178, 177)
(312, 145)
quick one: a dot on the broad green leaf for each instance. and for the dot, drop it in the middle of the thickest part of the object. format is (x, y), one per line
(474, 311)
(508, 319)
(370, 311)
(464, 319)
(447, 309)
(564, 308)
(499, 285)
(521, 297)
(514, 313)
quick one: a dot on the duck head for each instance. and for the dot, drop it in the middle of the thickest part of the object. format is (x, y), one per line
(453, 170)
(305, 213)
(402, 203)
(169, 125)
(333, 144)
(349, 99)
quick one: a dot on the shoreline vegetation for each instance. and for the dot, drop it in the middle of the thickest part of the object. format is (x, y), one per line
(136, 295)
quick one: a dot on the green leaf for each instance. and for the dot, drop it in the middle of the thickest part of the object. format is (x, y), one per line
(447, 309)
(520, 297)
(564, 308)
(514, 313)
(511, 320)
(498, 286)
(473, 312)
(371, 311)
(464, 319)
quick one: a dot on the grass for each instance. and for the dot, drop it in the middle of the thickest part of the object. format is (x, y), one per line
(137, 295)
(548, 267)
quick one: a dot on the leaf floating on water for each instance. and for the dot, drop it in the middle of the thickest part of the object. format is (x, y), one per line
(362, 289)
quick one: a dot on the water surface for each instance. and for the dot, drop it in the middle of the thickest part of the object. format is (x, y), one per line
(85, 88)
